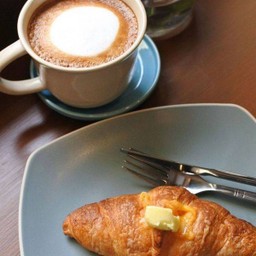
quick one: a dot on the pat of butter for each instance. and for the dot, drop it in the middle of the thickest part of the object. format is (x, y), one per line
(161, 218)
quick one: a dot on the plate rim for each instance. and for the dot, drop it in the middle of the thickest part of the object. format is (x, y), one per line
(151, 109)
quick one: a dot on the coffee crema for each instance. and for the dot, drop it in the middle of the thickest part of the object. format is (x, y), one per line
(82, 33)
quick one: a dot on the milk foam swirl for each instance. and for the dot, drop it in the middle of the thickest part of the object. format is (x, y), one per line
(96, 34)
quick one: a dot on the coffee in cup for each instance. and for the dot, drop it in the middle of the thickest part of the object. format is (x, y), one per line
(86, 65)
(82, 33)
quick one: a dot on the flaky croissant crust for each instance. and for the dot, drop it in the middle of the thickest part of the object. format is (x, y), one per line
(116, 226)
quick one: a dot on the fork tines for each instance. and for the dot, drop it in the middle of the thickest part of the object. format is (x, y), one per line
(152, 173)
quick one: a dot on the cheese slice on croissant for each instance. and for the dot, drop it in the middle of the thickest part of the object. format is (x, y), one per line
(116, 226)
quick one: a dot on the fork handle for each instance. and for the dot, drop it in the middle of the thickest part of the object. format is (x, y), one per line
(237, 193)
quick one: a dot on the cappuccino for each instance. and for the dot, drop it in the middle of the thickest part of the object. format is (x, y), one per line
(82, 33)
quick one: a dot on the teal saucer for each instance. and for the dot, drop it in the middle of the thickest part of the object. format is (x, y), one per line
(142, 83)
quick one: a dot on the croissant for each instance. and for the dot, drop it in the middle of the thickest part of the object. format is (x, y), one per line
(116, 226)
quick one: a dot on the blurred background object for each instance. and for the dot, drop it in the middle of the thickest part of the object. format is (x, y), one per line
(167, 18)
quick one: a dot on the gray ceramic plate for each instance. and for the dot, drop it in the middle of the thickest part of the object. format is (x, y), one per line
(85, 166)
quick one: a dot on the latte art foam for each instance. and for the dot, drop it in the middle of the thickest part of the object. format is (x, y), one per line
(82, 33)
(99, 30)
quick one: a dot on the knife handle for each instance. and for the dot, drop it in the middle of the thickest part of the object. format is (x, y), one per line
(225, 175)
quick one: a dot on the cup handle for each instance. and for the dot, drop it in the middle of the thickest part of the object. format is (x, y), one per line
(8, 55)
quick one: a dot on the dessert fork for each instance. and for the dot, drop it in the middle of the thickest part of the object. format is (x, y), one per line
(158, 175)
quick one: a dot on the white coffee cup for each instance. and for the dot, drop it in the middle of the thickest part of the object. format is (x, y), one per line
(79, 87)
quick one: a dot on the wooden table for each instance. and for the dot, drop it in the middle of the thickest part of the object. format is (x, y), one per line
(214, 60)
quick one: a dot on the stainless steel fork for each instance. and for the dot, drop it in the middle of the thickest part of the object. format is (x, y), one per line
(192, 169)
(158, 175)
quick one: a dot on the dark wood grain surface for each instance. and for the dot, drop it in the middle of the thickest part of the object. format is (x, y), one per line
(214, 61)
